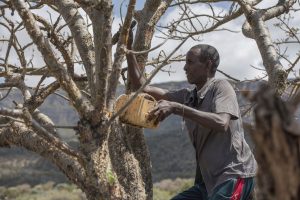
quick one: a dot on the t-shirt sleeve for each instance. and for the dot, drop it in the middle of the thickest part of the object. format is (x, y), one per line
(225, 100)
(178, 96)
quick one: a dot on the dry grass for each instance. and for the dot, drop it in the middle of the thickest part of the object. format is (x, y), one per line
(49, 191)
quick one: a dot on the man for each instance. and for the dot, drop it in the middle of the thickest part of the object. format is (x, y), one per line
(225, 163)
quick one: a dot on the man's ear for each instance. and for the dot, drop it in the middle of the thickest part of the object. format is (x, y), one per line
(209, 65)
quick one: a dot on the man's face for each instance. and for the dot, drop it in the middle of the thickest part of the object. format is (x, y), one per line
(196, 71)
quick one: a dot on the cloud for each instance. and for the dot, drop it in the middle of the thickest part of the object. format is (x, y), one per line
(237, 52)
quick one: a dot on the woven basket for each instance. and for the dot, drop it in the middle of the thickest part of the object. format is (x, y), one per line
(137, 112)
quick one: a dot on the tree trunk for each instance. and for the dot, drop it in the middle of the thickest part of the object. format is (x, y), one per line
(113, 164)
(277, 139)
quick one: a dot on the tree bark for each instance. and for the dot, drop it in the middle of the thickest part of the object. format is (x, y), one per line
(107, 156)
(147, 19)
(277, 139)
(82, 38)
(113, 160)
(256, 28)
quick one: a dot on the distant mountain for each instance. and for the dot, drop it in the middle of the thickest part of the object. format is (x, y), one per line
(172, 154)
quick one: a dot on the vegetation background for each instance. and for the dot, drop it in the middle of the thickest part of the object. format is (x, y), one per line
(66, 48)
(27, 176)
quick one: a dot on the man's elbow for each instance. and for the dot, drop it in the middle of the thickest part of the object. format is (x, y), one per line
(223, 123)
(223, 127)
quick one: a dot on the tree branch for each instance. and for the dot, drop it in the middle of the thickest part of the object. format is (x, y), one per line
(101, 14)
(278, 10)
(11, 112)
(226, 19)
(20, 135)
(267, 14)
(82, 37)
(122, 109)
(58, 43)
(277, 76)
(82, 105)
(147, 18)
(39, 98)
(119, 56)
(44, 121)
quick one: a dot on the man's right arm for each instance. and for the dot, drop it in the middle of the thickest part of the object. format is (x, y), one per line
(137, 79)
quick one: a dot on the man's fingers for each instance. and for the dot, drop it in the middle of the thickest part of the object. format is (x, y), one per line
(158, 118)
(156, 121)
(153, 110)
(151, 114)
(157, 113)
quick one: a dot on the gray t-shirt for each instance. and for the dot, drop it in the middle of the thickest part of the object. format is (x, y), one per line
(220, 155)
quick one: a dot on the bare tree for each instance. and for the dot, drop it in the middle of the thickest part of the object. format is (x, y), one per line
(113, 160)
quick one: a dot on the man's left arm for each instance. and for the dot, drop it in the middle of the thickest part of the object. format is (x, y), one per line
(225, 108)
(216, 121)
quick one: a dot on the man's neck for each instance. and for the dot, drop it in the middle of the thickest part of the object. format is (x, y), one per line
(199, 86)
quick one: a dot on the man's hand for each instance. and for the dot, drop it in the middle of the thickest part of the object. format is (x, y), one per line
(161, 111)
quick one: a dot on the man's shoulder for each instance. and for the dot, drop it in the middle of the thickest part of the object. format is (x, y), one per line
(223, 86)
(178, 95)
(224, 83)
(221, 80)
(181, 90)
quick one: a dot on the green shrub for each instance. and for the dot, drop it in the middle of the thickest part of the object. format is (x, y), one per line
(159, 194)
(168, 188)
(11, 193)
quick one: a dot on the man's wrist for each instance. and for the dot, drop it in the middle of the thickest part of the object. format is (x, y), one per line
(178, 108)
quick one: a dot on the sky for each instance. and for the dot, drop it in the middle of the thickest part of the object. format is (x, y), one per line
(237, 52)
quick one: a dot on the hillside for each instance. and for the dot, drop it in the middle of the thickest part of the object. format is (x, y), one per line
(168, 145)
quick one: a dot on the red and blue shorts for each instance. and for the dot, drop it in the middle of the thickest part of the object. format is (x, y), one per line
(234, 189)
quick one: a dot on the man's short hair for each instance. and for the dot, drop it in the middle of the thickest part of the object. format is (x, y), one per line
(208, 52)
